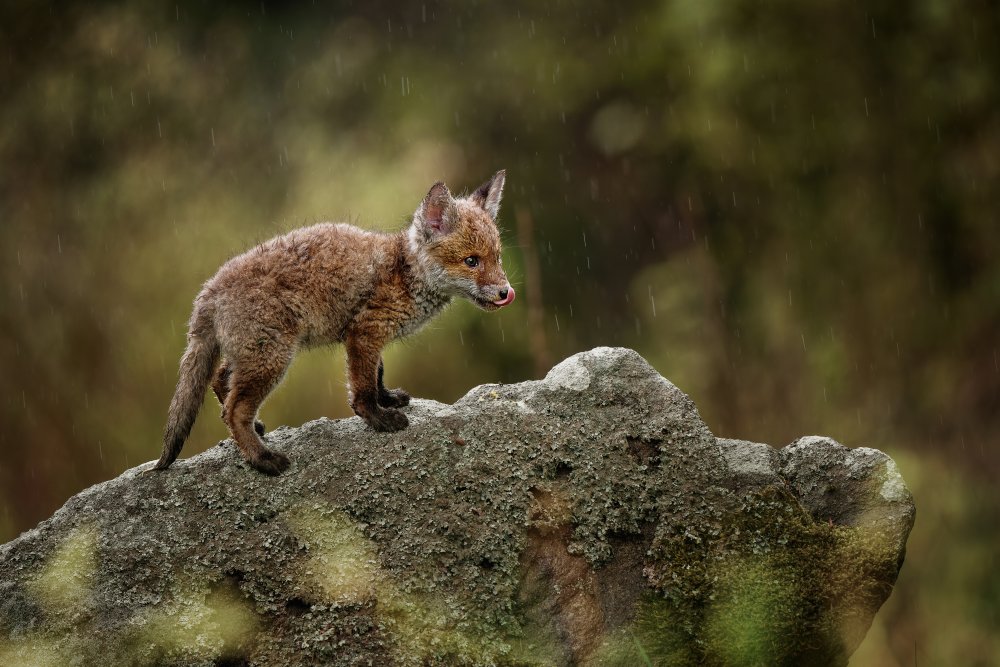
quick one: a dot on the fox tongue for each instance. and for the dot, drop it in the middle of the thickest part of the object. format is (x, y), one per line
(507, 299)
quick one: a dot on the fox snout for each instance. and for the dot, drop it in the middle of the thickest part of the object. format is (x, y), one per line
(506, 296)
(493, 297)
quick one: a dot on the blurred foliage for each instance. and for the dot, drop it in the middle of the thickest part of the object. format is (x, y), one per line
(789, 208)
(425, 628)
(66, 580)
(200, 622)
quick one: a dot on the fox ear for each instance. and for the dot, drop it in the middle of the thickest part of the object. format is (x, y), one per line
(489, 193)
(436, 213)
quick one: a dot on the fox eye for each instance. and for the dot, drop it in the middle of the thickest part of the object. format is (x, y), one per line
(471, 262)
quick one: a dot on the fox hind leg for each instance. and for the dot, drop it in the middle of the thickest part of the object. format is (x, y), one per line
(220, 385)
(249, 385)
(390, 398)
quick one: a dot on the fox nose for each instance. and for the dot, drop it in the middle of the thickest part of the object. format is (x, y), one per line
(503, 293)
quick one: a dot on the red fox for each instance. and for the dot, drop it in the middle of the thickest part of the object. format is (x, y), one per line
(332, 283)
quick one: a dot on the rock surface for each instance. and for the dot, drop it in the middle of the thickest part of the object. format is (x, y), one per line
(589, 518)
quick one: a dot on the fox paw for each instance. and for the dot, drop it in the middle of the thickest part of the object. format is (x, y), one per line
(258, 426)
(270, 463)
(393, 398)
(387, 420)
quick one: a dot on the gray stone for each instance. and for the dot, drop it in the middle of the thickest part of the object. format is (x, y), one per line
(587, 518)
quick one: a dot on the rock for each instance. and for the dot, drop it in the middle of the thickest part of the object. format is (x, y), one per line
(587, 518)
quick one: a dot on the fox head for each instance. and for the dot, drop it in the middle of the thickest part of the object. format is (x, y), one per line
(457, 244)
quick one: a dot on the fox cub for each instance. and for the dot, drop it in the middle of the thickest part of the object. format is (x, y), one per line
(332, 283)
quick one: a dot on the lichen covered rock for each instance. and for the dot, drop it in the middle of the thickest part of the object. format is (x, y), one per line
(589, 518)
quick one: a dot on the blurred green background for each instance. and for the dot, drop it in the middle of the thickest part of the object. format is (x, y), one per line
(789, 208)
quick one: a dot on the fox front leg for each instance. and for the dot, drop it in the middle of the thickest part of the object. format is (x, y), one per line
(364, 370)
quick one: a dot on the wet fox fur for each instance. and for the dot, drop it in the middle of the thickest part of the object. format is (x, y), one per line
(332, 283)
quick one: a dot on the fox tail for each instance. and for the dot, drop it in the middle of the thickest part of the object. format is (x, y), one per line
(196, 369)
